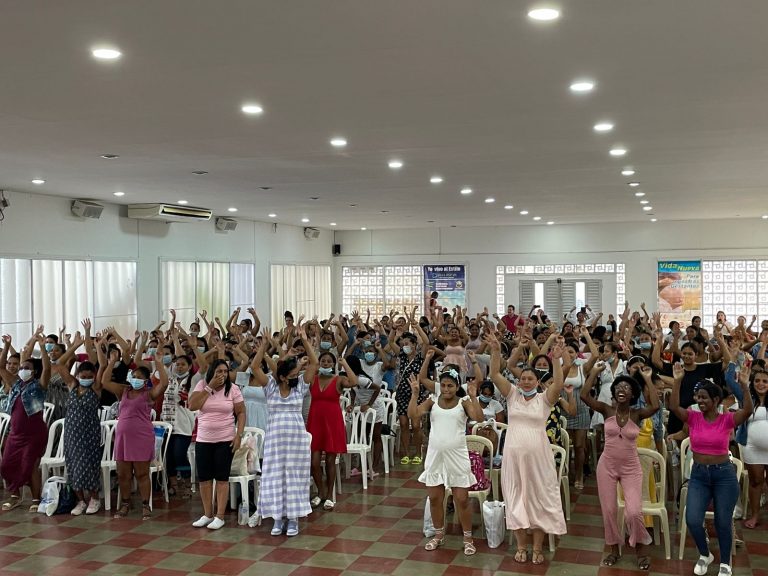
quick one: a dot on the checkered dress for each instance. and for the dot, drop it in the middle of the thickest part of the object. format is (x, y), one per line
(285, 476)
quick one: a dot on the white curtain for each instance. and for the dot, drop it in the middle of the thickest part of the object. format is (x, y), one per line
(114, 296)
(16, 299)
(301, 289)
(48, 294)
(179, 291)
(78, 293)
(242, 291)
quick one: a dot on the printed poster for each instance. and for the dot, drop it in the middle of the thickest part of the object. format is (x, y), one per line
(450, 282)
(679, 291)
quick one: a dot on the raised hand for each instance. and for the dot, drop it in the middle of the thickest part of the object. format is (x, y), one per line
(203, 314)
(678, 371)
(7, 340)
(472, 389)
(414, 382)
(598, 367)
(86, 324)
(744, 376)
(647, 372)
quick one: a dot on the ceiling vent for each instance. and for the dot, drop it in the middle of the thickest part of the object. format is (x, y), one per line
(226, 224)
(85, 209)
(168, 213)
(311, 233)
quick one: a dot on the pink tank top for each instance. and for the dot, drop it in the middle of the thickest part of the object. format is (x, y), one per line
(710, 437)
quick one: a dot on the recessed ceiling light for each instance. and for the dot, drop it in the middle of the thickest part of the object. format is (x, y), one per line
(363, 228)
(436, 179)
(332, 224)
(252, 109)
(272, 215)
(305, 220)
(523, 212)
(647, 208)
(109, 156)
(430, 221)
(231, 209)
(639, 194)
(544, 14)
(627, 172)
(537, 218)
(395, 164)
(654, 219)
(490, 200)
(508, 207)
(118, 193)
(466, 191)
(618, 152)
(338, 142)
(550, 223)
(104, 53)
(582, 86)
(182, 202)
(764, 216)
(603, 127)
(634, 184)
(38, 181)
(200, 172)
(643, 202)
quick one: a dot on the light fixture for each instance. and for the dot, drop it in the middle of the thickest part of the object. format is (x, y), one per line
(603, 127)
(305, 220)
(232, 209)
(647, 208)
(338, 142)
(544, 14)
(643, 202)
(252, 109)
(332, 224)
(109, 156)
(523, 212)
(118, 193)
(363, 228)
(272, 215)
(617, 152)
(627, 172)
(200, 172)
(490, 200)
(38, 181)
(654, 219)
(634, 184)
(395, 164)
(466, 191)
(436, 179)
(550, 223)
(639, 194)
(537, 218)
(182, 202)
(582, 86)
(764, 216)
(105, 53)
(508, 207)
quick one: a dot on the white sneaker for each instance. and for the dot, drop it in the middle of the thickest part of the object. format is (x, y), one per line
(79, 509)
(277, 529)
(701, 566)
(215, 524)
(94, 505)
(725, 570)
(315, 502)
(293, 528)
(202, 522)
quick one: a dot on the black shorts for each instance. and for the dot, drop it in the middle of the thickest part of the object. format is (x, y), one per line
(213, 461)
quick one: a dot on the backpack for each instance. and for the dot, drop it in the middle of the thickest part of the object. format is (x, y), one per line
(478, 470)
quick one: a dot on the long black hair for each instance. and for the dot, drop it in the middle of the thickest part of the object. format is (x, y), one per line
(212, 370)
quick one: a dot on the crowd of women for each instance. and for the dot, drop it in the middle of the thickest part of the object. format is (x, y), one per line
(630, 380)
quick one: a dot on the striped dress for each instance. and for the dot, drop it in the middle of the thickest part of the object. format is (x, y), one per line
(285, 473)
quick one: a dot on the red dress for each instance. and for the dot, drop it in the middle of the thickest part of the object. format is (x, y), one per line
(325, 421)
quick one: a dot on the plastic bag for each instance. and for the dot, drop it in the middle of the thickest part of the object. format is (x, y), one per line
(250, 442)
(429, 528)
(240, 462)
(49, 498)
(159, 435)
(67, 499)
(494, 519)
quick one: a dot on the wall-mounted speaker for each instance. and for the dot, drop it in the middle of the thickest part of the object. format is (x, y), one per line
(311, 233)
(226, 224)
(86, 209)
(337, 249)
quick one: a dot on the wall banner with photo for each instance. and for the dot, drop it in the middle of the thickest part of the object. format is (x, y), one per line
(450, 283)
(679, 291)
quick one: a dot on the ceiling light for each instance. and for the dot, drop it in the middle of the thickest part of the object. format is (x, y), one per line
(643, 202)
(338, 142)
(252, 109)
(109, 156)
(634, 184)
(231, 209)
(627, 172)
(38, 181)
(523, 212)
(333, 224)
(118, 193)
(654, 219)
(106, 53)
(182, 202)
(544, 14)
(490, 200)
(200, 172)
(363, 228)
(764, 216)
(508, 207)
(305, 220)
(272, 215)
(603, 127)
(639, 194)
(618, 152)
(466, 191)
(436, 180)
(582, 86)
(647, 208)
(550, 223)
(537, 218)
(395, 164)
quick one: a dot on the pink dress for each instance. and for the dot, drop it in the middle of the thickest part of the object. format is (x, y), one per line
(134, 434)
(456, 355)
(528, 474)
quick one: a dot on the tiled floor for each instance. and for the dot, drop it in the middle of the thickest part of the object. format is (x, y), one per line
(373, 532)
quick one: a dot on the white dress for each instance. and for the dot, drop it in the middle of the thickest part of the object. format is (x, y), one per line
(447, 461)
(756, 450)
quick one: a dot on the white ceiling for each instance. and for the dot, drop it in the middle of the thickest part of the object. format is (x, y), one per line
(473, 91)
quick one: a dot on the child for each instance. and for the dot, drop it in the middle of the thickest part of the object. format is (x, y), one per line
(447, 463)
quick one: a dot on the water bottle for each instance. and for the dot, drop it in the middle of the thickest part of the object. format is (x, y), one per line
(242, 514)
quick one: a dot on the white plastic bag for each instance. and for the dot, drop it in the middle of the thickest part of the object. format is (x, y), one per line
(429, 528)
(49, 499)
(495, 522)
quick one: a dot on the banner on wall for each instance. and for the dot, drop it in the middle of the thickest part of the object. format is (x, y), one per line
(450, 283)
(679, 291)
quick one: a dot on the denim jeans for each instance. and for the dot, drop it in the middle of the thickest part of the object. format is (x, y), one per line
(708, 483)
(176, 460)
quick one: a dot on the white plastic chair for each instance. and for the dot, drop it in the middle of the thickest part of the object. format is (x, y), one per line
(158, 466)
(651, 461)
(243, 481)
(565, 488)
(108, 464)
(384, 393)
(477, 444)
(5, 421)
(558, 451)
(192, 467)
(388, 440)
(47, 412)
(53, 459)
(493, 473)
(361, 442)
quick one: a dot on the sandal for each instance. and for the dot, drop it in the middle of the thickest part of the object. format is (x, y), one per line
(751, 523)
(416, 460)
(13, 502)
(644, 563)
(437, 541)
(537, 557)
(521, 556)
(611, 559)
(146, 512)
(35, 505)
(469, 545)
(405, 460)
(122, 512)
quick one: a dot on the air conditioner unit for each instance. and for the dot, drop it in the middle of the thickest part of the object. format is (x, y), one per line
(168, 213)
(311, 233)
(86, 209)
(226, 224)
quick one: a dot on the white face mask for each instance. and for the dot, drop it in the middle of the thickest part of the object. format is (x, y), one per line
(25, 374)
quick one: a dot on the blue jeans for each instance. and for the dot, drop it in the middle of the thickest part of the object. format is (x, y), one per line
(176, 460)
(708, 483)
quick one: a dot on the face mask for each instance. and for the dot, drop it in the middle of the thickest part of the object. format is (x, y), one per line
(370, 356)
(367, 343)
(181, 375)
(151, 351)
(201, 349)
(85, 382)
(529, 393)
(137, 383)
(610, 359)
(233, 365)
(167, 359)
(293, 382)
(194, 332)
(325, 345)
(645, 345)
(49, 346)
(578, 361)
(325, 371)
(25, 374)
(484, 398)
(407, 350)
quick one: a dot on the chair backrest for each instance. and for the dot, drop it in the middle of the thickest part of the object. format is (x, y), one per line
(55, 446)
(260, 435)
(47, 412)
(362, 426)
(479, 444)
(347, 393)
(563, 422)
(384, 393)
(565, 441)
(390, 411)
(686, 458)
(108, 440)
(104, 413)
(166, 437)
(344, 402)
(5, 421)
(653, 463)
(559, 451)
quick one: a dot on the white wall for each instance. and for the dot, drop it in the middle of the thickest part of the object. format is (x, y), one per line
(43, 226)
(638, 245)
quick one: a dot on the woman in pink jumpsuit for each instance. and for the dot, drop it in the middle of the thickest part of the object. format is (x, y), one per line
(620, 463)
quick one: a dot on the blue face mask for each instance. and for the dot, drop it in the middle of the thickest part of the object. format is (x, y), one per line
(85, 382)
(201, 349)
(49, 346)
(137, 383)
(324, 345)
(325, 371)
(370, 356)
(151, 351)
(645, 345)
(407, 350)
(529, 393)
(367, 343)
(167, 359)
(484, 398)
(610, 359)
(578, 361)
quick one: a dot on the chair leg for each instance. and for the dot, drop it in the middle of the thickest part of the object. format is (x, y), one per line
(165, 485)
(244, 494)
(664, 520)
(364, 468)
(106, 488)
(481, 500)
(683, 531)
(385, 454)
(347, 465)
(337, 484)
(551, 542)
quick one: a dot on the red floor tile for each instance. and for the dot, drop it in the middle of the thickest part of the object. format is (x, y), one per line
(163, 572)
(131, 540)
(8, 558)
(439, 556)
(402, 502)
(142, 557)
(374, 565)
(346, 546)
(5, 540)
(226, 566)
(66, 549)
(374, 522)
(76, 564)
(288, 556)
(330, 530)
(464, 571)
(207, 547)
(315, 571)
